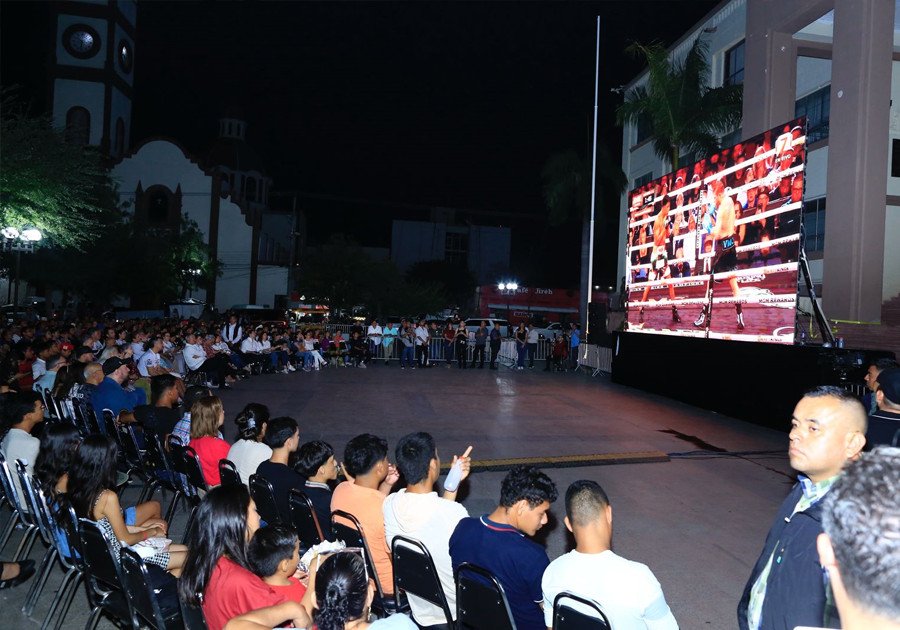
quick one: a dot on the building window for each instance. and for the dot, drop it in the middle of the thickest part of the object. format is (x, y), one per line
(814, 224)
(120, 137)
(126, 57)
(78, 126)
(646, 178)
(816, 107)
(456, 248)
(734, 65)
(644, 128)
(250, 191)
(158, 207)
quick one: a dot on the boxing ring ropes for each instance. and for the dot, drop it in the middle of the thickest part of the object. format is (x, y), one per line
(771, 180)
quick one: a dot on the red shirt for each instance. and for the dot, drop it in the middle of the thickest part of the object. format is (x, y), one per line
(233, 591)
(210, 450)
(294, 592)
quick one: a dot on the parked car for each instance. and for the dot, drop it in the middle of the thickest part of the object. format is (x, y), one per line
(473, 323)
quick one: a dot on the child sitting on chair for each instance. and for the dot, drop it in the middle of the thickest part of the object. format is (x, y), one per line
(273, 554)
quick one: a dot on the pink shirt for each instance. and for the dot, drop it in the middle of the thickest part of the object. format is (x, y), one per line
(367, 506)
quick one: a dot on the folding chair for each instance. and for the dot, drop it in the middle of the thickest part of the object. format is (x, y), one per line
(110, 427)
(416, 574)
(34, 500)
(161, 472)
(88, 417)
(192, 616)
(264, 497)
(131, 455)
(144, 603)
(187, 464)
(567, 618)
(20, 515)
(9, 498)
(354, 536)
(228, 472)
(304, 519)
(72, 561)
(481, 602)
(103, 577)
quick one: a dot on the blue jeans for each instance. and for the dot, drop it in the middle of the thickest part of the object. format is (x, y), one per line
(407, 355)
(521, 351)
(448, 351)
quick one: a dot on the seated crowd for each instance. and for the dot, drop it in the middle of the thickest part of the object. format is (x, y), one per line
(244, 573)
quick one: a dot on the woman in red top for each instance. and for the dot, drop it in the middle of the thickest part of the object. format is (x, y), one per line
(207, 417)
(216, 573)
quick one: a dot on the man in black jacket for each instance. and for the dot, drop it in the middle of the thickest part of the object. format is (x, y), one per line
(786, 587)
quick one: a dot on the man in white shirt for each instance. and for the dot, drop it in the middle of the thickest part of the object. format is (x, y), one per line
(627, 591)
(196, 360)
(232, 332)
(422, 339)
(374, 336)
(418, 512)
(149, 365)
(137, 345)
(251, 350)
(532, 339)
(23, 411)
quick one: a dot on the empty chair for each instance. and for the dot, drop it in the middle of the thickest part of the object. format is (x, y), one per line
(144, 602)
(187, 464)
(264, 497)
(228, 472)
(103, 577)
(567, 618)
(415, 574)
(304, 519)
(480, 600)
(158, 466)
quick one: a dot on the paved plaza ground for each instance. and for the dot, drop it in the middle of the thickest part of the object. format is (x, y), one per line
(697, 521)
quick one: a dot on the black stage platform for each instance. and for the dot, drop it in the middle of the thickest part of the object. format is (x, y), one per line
(757, 382)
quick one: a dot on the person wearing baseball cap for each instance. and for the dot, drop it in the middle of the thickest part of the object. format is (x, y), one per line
(111, 394)
(83, 354)
(884, 422)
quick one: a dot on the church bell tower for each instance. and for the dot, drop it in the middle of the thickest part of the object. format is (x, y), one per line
(92, 72)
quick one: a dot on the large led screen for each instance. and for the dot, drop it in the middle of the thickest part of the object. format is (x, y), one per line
(713, 247)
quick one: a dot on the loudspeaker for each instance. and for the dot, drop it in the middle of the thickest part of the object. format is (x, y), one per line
(597, 325)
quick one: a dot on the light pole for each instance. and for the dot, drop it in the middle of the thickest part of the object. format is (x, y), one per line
(507, 289)
(18, 242)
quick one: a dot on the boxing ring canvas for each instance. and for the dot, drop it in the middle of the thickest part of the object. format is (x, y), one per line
(713, 248)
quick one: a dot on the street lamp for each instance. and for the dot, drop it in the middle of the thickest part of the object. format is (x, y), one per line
(507, 289)
(18, 242)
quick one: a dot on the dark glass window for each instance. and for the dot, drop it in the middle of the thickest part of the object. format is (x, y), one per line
(644, 129)
(456, 248)
(814, 224)
(817, 108)
(734, 65)
(643, 179)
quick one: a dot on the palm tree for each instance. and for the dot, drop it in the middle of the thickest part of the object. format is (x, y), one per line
(685, 114)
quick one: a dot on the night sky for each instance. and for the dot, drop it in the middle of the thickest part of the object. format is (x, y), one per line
(376, 110)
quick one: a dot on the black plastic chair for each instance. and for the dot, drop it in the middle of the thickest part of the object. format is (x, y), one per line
(144, 603)
(161, 472)
(481, 602)
(416, 574)
(103, 577)
(192, 616)
(90, 417)
(34, 500)
(355, 536)
(567, 618)
(228, 472)
(187, 464)
(304, 519)
(264, 497)
(11, 500)
(21, 514)
(72, 561)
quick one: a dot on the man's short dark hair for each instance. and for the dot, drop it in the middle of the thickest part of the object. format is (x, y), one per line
(884, 363)
(363, 452)
(159, 384)
(844, 395)
(279, 430)
(311, 456)
(585, 501)
(529, 483)
(413, 454)
(268, 547)
(861, 515)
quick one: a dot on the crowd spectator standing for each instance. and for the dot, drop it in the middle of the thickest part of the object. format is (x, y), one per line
(785, 588)
(884, 422)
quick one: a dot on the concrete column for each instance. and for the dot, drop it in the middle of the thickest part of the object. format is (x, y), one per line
(857, 155)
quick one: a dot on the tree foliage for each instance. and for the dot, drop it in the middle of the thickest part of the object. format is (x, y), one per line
(60, 188)
(685, 114)
(566, 180)
(340, 273)
(454, 282)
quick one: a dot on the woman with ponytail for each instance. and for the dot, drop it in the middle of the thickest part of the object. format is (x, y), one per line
(344, 595)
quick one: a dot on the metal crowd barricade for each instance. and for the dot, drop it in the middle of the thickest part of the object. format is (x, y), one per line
(596, 358)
